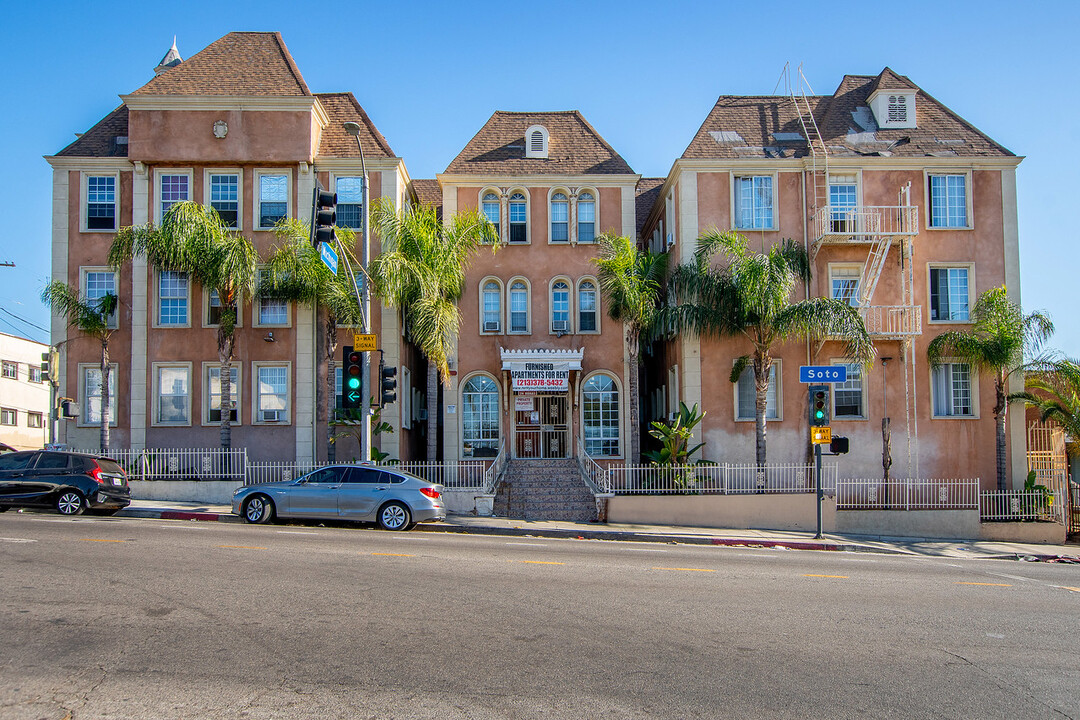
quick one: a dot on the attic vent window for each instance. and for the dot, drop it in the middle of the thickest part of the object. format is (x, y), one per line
(897, 109)
(536, 142)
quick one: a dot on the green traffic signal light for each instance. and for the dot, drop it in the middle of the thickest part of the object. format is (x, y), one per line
(354, 383)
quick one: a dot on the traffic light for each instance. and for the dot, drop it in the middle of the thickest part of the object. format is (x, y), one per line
(323, 216)
(819, 405)
(389, 384)
(45, 367)
(352, 385)
(838, 445)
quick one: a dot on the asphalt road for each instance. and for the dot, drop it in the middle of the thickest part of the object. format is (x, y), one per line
(130, 618)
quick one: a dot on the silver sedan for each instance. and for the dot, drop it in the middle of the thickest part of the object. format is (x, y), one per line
(394, 499)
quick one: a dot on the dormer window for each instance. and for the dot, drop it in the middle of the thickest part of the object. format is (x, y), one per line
(536, 142)
(893, 108)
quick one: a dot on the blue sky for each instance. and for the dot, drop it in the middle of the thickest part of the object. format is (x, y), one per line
(644, 74)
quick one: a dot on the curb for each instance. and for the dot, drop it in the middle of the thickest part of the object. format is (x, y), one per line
(177, 515)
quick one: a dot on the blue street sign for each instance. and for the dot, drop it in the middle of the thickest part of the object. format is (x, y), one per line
(329, 256)
(823, 373)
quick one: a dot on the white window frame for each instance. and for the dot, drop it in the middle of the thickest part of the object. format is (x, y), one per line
(973, 389)
(528, 216)
(777, 393)
(256, 192)
(530, 151)
(577, 301)
(237, 391)
(207, 190)
(499, 205)
(576, 214)
(570, 291)
(84, 272)
(509, 306)
(497, 412)
(838, 177)
(834, 270)
(334, 177)
(34, 374)
(734, 181)
(6, 412)
(159, 175)
(206, 292)
(256, 394)
(968, 205)
(970, 267)
(156, 369)
(551, 215)
(257, 307)
(84, 206)
(618, 405)
(483, 308)
(83, 419)
(863, 400)
(9, 369)
(157, 302)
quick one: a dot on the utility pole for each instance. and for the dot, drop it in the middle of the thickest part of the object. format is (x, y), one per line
(365, 305)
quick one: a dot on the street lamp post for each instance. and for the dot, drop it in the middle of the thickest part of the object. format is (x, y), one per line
(365, 306)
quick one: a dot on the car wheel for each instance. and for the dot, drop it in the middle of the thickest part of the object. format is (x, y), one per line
(394, 516)
(70, 502)
(258, 509)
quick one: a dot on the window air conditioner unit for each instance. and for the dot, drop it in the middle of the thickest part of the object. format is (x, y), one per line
(560, 326)
(271, 415)
(491, 326)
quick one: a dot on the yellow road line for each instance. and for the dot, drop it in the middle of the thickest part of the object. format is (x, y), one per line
(685, 569)
(541, 562)
(100, 540)
(986, 584)
(839, 577)
(1066, 587)
(393, 554)
(242, 547)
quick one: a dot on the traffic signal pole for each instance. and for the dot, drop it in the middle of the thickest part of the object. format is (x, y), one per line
(820, 490)
(365, 304)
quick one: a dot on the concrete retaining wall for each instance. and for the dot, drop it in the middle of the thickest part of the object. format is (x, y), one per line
(211, 492)
(468, 502)
(1045, 533)
(938, 524)
(766, 512)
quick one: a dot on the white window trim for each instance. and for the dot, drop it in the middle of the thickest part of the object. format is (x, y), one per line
(528, 306)
(461, 403)
(83, 197)
(502, 298)
(973, 374)
(157, 303)
(157, 187)
(255, 392)
(570, 234)
(833, 266)
(239, 392)
(968, 199)
(529, 152)
(256, 198)
(256, 309)
(577, 303)
(574, 235)
(733, 200)
(206, 310)
(351, 174)
(84, 270)
(503, 228)
(14, 416)
(156, 388)
(571, 291)
(239, 191)
(5, 364)
(114, 368)
(778, 365)
(971, 290)
(622, 411)
(864, 391)
(528, 215)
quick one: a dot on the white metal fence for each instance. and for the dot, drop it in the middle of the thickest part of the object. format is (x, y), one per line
(907, 494)
(1022, 506)
(180, 463)
(718, 479)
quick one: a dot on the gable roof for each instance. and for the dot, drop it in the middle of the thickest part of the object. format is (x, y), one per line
(238, 64)
(341, 108)
(574, 147)
(645, 196)
(428, 192)
(100, 140)
(769, 126)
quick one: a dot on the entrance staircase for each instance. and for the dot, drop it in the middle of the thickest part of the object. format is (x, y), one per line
(544, 490)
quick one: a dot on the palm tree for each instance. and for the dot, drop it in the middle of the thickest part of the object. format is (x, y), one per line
(631, 280)
(1000, 337)
(90, 317)
(298, 274)
(1053, 388)
(421, 270)
(751, 296)
(192, 239)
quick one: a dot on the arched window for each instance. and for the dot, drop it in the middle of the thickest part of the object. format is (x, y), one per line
(560, 218)
(480, 416)
(587, 307)
(519, 307)
(518, 218)
(492, 306)
(491, 209)
(600, 416)
(560, 307)
(586, 217)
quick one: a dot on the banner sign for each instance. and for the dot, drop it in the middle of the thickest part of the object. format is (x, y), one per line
(540, 376)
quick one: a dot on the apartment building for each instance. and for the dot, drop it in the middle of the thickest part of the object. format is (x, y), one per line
(908, 212)
(24, 393)
(236, 127)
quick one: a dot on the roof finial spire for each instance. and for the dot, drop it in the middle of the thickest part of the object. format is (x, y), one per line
(171, 59)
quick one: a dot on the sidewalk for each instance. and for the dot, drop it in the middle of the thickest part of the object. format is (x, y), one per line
(169, 510)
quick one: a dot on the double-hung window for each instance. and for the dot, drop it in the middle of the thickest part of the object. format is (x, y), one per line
(746, 396)
(490, 207)
(951, 388)
(948, 201)
(273, 199)
(213, 393)
(560, 307)
(35, 419)
(519, 307)
(272, 394)
(173, 394)
(845, 283)
(35, 374)
(350, 202)
(949, 296)
(843, 201)
(8, 416)
(101, 202)
(518, 218)
(91, 395)
(172, 188)
(172, 298)
(225, 198)
(492, 306)
(560, 218)
(272, 310)
(96, 285)
(9, 370)
(754, 202)
(586, 218)
(848, 395)
(587, 307)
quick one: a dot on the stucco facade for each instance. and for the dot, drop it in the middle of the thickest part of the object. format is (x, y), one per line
(24, 393)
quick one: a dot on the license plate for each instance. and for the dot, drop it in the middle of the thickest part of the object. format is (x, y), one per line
(117, 481)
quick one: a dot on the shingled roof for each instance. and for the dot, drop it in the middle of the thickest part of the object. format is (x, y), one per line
(101, 140)
(428, 192)
(238, 64)
(341, 108)
(769, 126)
(574, 147)
(645, 196)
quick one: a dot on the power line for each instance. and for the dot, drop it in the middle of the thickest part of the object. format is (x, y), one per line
(22, 319)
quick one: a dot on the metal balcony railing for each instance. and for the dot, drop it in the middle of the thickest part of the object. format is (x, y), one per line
(894, 321)
(864, 224)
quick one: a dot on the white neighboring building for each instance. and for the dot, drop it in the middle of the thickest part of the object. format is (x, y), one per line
(24, 394)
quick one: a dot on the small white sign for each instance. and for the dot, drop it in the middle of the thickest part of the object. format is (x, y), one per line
(523, 404)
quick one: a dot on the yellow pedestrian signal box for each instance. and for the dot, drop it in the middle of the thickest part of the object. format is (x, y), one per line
(821, 435)
(364, 342)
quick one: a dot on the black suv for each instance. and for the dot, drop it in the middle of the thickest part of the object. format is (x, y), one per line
(70, 482)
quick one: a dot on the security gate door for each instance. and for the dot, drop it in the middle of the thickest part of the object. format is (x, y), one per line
(541, 432)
